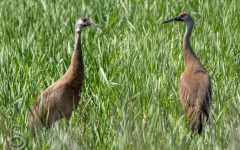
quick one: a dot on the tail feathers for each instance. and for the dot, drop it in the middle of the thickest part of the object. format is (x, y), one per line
(196, 117)
(200, 121)
(34, 121)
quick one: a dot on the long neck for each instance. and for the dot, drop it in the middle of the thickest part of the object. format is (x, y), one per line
(75, 73)
(189, 55)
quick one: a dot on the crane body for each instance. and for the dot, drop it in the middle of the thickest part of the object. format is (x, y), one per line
(195, 84)
(62, 97)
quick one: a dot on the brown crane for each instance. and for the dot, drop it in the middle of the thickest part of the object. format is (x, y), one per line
(195, 84)
(62, 97)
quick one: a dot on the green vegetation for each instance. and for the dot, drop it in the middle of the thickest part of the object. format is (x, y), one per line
(130, 95)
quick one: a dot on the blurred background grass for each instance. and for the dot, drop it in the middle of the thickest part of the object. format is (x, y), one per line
(130, 95)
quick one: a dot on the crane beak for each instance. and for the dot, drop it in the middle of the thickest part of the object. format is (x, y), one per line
(174, 19)
(93, 24)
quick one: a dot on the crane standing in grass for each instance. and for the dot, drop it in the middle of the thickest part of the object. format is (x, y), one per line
(195, 84)
(62, 97)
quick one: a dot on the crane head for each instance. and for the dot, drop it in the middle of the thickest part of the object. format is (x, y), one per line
(183, 17)
(84, 22)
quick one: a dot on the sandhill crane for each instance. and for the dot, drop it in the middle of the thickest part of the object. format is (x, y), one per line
(62, 97)
(195, 84)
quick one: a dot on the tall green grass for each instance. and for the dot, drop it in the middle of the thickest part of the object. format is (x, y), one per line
(130, 95)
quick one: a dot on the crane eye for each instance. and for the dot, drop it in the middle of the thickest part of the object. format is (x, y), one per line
(182, 15)
(84, 19)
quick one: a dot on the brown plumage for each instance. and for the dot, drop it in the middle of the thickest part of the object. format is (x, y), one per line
(195, 84)
(62, 97)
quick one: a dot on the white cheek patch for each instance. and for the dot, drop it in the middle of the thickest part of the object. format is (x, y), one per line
(78, 25)
(80, 21)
